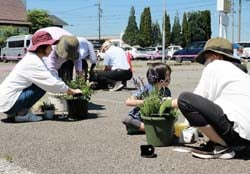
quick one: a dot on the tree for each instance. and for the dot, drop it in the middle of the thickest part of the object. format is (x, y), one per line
(200, 25)
(206, 18)
(157, 36)
(7, 31)
(39, 19)
(146, 28)
(185, 31)
(131, 33)
(167, 29)
(176, 35)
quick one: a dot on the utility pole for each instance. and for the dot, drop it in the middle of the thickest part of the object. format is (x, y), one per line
(163, 32)
(99, 19)
(224, 8)
(232, 21)
(239, 19)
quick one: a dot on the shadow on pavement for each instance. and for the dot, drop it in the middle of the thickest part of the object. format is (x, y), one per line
(57, 118)
(93, 106)
(7, 120)
(244, 154)
(130, 88)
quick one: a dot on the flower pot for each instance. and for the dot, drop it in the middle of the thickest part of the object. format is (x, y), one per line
(77, 108)
(58, 101)
(159, 130)
(49, 114)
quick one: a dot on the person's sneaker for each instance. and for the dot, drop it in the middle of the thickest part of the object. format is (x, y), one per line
(29, 117)
(217, 152)
(118, 86)
(205, 146)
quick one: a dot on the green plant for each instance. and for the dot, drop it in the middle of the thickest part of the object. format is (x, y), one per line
(8, 158)
(79, 83)
(47, 106)
(152, 105)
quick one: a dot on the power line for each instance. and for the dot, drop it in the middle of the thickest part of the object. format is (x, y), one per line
(74, 9)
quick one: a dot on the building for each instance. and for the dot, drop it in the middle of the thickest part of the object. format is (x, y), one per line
(13, 13)
(57, 22)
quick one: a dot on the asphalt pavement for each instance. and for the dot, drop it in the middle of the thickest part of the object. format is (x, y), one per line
(99, 144)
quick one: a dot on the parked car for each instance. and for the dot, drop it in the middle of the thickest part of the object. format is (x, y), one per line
(190, 52)
(15, 47)
(246, 49)
(154, 52)
(172, 49)
(136, 53)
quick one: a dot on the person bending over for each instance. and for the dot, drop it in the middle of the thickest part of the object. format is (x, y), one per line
(29, 81)
(219, 106)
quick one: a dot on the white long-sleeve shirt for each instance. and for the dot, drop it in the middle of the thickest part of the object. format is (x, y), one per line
(86, 49)
(229, 87)
(30, 70)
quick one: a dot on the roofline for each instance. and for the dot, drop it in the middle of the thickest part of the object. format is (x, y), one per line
(14, 22)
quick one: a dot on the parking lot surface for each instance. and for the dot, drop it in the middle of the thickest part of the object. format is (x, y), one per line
(99, 144)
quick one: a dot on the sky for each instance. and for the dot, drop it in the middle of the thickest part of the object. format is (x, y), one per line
(82, 15)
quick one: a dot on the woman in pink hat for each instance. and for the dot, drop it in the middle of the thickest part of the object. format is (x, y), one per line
(29, 81)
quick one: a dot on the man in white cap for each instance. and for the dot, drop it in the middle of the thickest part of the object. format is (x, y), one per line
(117, 69)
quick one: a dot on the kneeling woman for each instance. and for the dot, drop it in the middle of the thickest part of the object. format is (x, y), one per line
(29, 81)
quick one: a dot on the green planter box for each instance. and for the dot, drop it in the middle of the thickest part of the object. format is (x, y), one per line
(159, 130)
(77, 108)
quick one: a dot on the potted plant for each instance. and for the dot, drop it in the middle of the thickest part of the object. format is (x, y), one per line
(159, 128)
(48, 109)
(58, 100)
(78, 105)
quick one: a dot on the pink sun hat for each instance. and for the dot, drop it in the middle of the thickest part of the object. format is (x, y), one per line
(41, 38)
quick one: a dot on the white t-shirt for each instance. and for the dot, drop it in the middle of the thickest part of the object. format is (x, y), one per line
(30, 70)
(229, 87)
(116, 58)
(86, 49)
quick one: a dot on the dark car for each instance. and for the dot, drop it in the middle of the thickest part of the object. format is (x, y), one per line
(190, 52)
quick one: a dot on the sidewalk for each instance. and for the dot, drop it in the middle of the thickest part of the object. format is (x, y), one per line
(100, 145)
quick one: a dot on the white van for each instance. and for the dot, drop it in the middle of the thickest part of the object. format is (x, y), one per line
(246, 49)
(172, 49)
(15, 47)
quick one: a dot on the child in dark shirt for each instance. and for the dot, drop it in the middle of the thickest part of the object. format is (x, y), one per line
(158, 75)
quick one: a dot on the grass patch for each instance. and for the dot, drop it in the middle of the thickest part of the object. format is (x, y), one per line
(8, 158)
